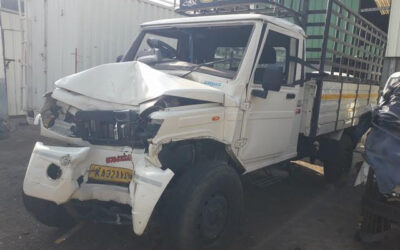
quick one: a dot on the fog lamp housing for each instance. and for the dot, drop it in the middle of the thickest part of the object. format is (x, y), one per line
(54, 172)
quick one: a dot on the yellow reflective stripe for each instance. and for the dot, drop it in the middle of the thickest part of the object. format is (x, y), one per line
(330, 96)
(326, 97)
(336, 96)
(362, 96)
(374, 95)
(349, 96)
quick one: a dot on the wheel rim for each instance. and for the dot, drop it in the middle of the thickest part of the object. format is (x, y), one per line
(213, 216)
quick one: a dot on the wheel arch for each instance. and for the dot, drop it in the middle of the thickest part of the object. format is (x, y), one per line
(193, 151)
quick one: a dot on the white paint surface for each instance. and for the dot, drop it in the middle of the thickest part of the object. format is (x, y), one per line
(132, 83)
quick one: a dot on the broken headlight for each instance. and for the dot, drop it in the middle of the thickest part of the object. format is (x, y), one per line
(49, 112)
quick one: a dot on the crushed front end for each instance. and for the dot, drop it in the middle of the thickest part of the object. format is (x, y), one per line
(114, 119)
(106, 176)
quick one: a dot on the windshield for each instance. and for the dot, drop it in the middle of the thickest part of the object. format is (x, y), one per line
(217, 50)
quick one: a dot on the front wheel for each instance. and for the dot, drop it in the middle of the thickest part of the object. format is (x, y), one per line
(205, 207)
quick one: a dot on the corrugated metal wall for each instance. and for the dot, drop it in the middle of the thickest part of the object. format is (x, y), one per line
(64, 34)
(11, 25)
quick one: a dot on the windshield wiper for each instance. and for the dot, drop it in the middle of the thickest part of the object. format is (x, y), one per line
(198, 66)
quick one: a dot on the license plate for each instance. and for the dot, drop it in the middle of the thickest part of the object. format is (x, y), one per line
(110, 174)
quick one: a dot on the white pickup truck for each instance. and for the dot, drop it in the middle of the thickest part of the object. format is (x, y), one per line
(195, 102)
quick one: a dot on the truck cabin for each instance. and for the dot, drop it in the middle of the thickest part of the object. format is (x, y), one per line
(218, 47)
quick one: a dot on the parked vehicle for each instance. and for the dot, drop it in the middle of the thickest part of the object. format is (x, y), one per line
(195, 103)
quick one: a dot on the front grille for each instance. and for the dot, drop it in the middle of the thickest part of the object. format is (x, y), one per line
(107, 127)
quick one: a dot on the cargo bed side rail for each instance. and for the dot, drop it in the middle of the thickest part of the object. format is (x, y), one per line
(346, 46)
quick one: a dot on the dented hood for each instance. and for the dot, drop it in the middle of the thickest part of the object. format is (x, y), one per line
(132, 83)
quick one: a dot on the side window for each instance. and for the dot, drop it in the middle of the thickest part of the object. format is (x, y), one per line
(277, 50)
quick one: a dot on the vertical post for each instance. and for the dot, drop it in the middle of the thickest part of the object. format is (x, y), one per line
(317, 100)
(45, 37)
(23, 57)
(304, 14)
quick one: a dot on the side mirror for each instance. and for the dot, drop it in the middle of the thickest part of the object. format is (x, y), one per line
(272, 78)
(149, 56)
(119, 58)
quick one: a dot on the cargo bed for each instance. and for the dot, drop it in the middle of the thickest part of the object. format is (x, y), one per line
(341, 104)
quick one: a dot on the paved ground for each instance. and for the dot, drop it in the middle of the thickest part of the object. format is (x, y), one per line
(299, 213)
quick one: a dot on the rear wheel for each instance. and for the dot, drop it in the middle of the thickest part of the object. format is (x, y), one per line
(204, 208)
(337, 158)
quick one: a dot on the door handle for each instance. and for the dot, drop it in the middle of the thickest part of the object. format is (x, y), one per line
(290, 96)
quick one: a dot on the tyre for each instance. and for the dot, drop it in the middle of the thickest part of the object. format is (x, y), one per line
(48, 213)
(204, 208)
(338, 158)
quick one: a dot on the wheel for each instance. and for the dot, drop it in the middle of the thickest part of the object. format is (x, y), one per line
(204, 208)
(338, 158)
(48, 213)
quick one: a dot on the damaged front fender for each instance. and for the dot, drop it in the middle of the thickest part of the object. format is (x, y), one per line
(147, 186)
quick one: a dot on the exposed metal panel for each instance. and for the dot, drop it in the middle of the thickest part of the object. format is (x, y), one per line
(393, 45)
(65, 35)
(13, 45)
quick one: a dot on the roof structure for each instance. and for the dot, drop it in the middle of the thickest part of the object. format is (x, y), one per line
(233, 17)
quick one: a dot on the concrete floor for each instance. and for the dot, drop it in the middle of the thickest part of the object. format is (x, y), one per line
(299, 213)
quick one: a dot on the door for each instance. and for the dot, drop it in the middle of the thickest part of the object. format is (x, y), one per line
(271, 125)
(13, 48)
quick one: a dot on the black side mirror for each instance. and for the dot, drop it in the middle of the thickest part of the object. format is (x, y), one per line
(119, 58)
(271, 80)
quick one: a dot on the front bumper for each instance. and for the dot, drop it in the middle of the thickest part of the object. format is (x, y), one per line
(145, 189)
